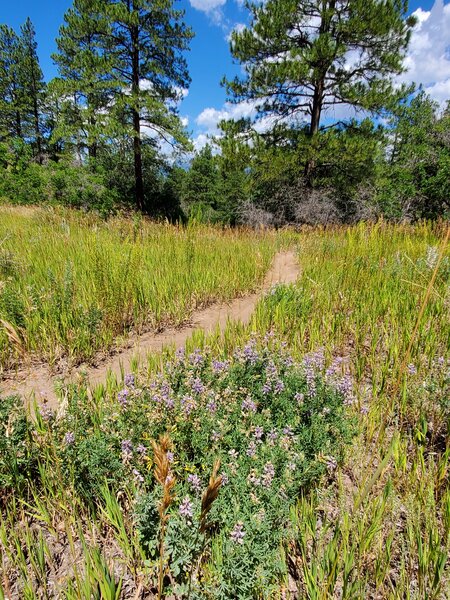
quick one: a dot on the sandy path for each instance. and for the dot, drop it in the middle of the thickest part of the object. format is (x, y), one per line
(38, 380)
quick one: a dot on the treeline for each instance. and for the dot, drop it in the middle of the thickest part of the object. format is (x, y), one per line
(97, 136)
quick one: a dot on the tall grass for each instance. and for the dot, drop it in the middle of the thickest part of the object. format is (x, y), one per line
(381, 529)
(71, 283)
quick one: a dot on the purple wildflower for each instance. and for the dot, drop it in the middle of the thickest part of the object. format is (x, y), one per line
(195, 482)
(250, 354)
(299, 397)
(288, 361)
(129, 380)
(315, 360)
(254, 480)
(138, 476)
(47, 413)
(237, 535)
(127, 448)
(122, 397)
(169, 402)
(225, 478)
(196, 358)
(288, 431)
(271, 370)
(141, 449)
(180, 353)
(272, 435)
(188, 404)
(249, 405)
(215, 436)
(268, 474)
(170, 456)
(211, 406)
(267, 388)
(310, 381)
(197, 386)
(69, 438)
(335, 368)
(279, 386)
(220, 366)
(345, 386)
(412, 369)
(258, 432)
(251, 450)
(186, 509)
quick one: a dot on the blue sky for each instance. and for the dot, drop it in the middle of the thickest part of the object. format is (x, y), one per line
(209, 59)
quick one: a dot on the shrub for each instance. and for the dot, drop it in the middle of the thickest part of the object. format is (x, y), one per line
(275, 425)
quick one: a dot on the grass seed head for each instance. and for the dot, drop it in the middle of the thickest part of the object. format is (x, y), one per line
(210, 495)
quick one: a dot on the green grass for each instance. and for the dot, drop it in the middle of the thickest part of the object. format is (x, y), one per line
(70, 284)
(378, 528)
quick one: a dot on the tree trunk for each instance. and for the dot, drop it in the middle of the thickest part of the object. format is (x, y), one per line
(37, 130)
(137, 146)
(92, 147)
(316, 108)
(316, 111)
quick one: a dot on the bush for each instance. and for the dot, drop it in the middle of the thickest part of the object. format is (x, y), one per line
(57, 183)
(276, 426)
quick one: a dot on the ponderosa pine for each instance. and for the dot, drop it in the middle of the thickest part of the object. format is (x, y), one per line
(303, 57)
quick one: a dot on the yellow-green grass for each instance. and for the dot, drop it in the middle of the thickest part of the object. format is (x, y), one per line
(382, 529)
(71, 283)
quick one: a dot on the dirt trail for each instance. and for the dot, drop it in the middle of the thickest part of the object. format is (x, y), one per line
(40, 381)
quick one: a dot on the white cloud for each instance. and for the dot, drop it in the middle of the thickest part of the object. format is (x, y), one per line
(213, 8)
(207, 5)
(428, 57)
(200, 141)
(238, 27)
(209, 118)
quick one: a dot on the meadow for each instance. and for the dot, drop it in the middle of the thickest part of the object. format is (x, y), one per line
(305, 455)
(73, 283)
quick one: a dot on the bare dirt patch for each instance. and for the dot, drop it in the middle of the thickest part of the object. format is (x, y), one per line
(39, 381)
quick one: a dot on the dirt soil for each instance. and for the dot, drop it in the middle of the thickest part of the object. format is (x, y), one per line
(39, 381)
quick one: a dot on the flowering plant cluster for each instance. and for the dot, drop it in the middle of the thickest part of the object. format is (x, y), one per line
(275, 425)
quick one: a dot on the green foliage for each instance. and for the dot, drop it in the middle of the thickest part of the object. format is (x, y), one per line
(18, 459)
(200, 189)
(106, 51)
(57, 183)
(414, 181)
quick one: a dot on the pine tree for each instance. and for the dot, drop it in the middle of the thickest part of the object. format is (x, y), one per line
(11, 93)
(86, 82)
(22, 87)
(302, 57)
(32, 83)
(147, 42)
